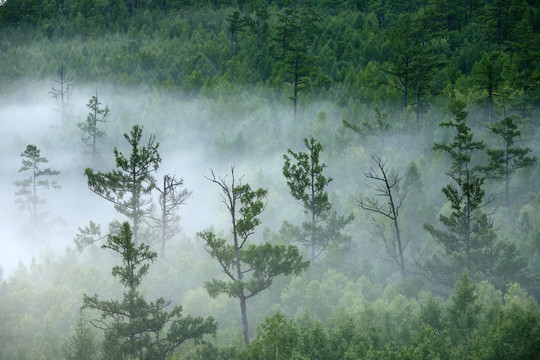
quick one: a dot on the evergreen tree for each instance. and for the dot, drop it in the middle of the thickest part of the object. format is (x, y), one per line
(463, 310)
(295, 60)
(135, 327)
(487, 75)
(82, 344)
(503, 162)
(379, 127)
(90, 131)
(27, 194)
(527, 49)
(249, 268)
(468, 231)
(133, 177)
(237, 24)
(429, 61)
(402, 40)
(308, 185)
(62, 91)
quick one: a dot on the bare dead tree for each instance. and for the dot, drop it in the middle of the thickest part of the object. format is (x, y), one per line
(386, 186)
(62, 91)
(170, 199)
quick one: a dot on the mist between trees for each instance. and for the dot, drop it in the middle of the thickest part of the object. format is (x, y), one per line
(340, 287)
(331, 181)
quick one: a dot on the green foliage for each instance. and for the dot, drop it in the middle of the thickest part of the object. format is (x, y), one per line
(503, 162)
(90, 130)
(249, 268)
(379, 127)
(469, 235)
(463, 309)
(82, 344)
(28, 188)
(179, 54)
(307, 184)
(133, 178)
(277, 337)
(516, 334)
(133, 326)
(296, 62)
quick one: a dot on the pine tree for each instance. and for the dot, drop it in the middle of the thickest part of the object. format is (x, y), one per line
(135, 327)
(468, 231)
(249, 268)
(295, 60)
(133, 177)
(90, 131)
(463, 309)
(308, 185)
(82, 344)
(503, 162)
(28, 188)
(62, 92)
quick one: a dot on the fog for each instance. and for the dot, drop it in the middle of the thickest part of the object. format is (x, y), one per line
(197, 136)
(187, 130)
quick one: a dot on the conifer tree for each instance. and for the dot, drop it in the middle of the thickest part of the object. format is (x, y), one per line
(463, 309)
(27, 194)
(82, 344)
(135, 327)
(90, 130)
(294, 58)
(503, 162)
(304, 174)
(132, 178)
(467, 229)
(249, 268)
(62, 91)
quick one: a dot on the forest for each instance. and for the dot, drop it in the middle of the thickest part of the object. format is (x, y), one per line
(288, 179)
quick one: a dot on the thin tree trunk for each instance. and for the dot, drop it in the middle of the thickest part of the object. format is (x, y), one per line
(244, 318)
(506, 164)
(241, 294)
(164, 218)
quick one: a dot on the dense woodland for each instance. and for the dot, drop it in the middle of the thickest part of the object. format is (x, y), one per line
(270, 179)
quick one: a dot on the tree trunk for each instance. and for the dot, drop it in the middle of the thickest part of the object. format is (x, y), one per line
(396, 226)
(506, 175)
(244, 318)
(164, 218)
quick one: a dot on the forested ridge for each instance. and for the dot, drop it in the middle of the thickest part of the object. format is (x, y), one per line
(361, 177)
